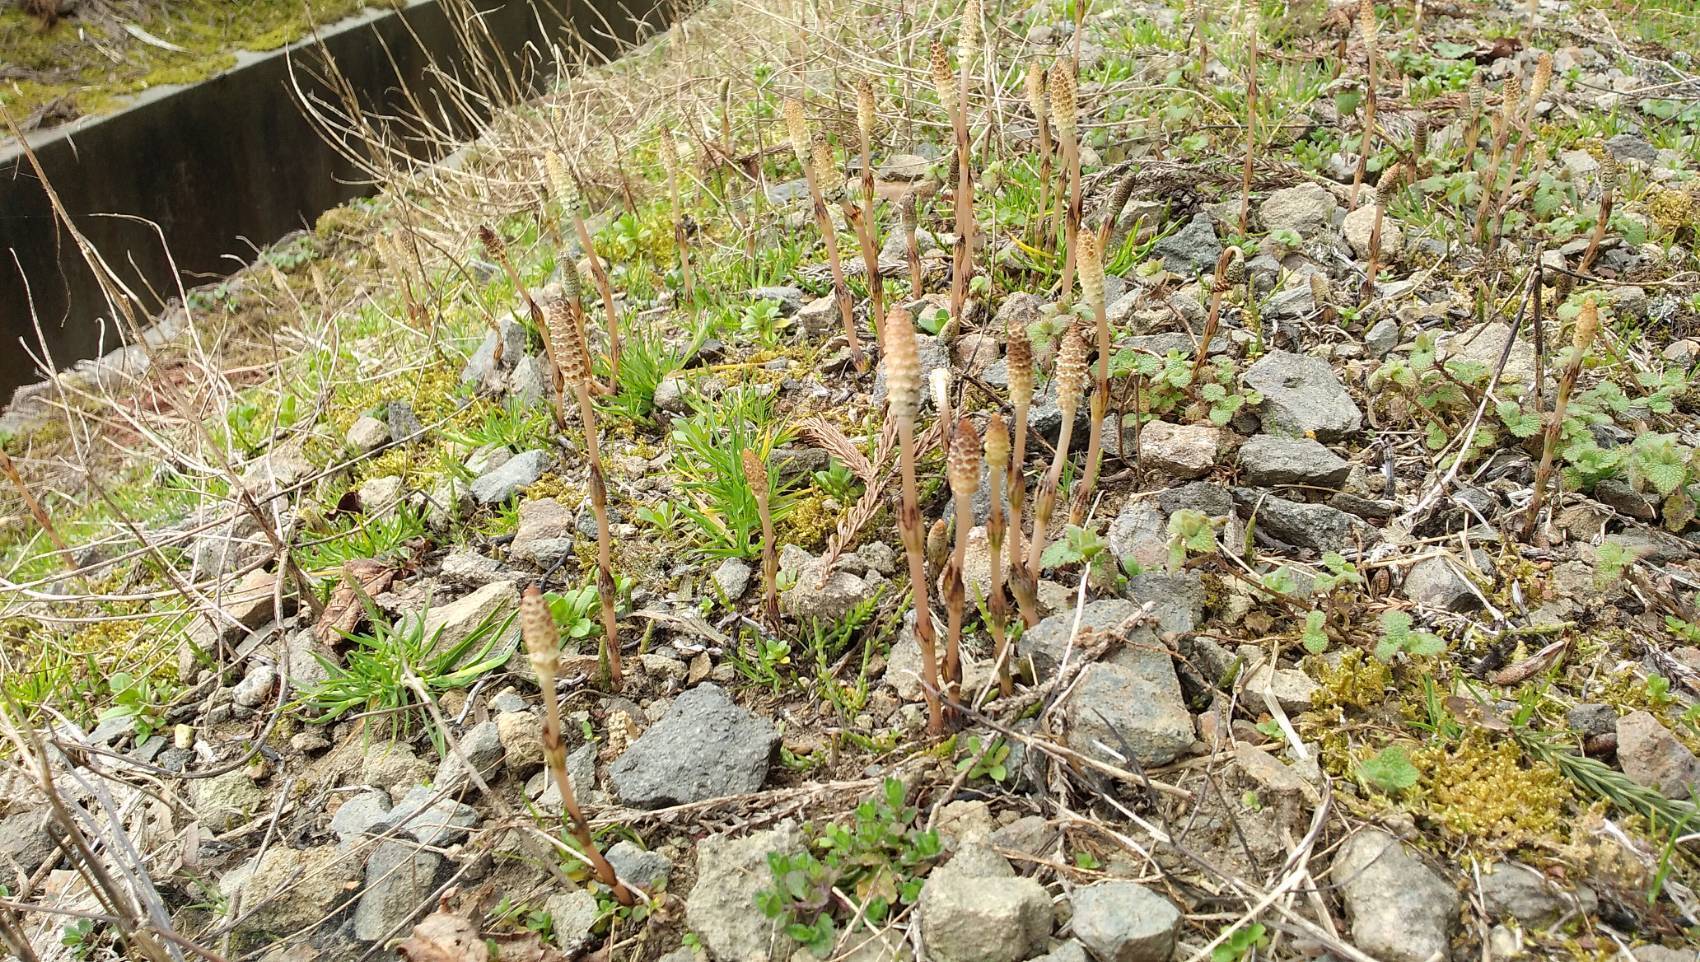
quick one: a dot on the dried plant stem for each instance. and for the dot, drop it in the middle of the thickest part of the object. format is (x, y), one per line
(1041, 232)
(1250, 131)
(604, 543)
(867, 224)
(1092, 289)
(1071, 223)
(997, 460)
(903, 400)
(913, 247)
(606, 290)
(1608, 191)
(1071, 377)
(493, 244)
(1213, 319)
(37, 512)
(1369, 31)
(840, 289)
(681, 234)
(543, 643)
(1587, 325)
(755, 474)
(858, 221)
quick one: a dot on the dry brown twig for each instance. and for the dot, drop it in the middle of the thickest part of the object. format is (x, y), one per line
(755, 474)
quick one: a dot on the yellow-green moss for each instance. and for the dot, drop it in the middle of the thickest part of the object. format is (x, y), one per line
(1489, 793)
(1357, 683)
(810, 522)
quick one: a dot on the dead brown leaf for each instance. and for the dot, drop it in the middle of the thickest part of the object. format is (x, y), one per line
(444, 937)
(360, 577)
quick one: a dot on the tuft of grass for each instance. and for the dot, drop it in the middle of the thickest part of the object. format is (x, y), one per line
(709, 447)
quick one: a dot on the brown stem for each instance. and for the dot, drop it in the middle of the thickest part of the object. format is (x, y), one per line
(1599, 234)
(963, 202)
(1213, 319)
(607, 292)
(870, 265)
(999, 607)
(870, 243)
(1374, 253)
(1100, 409)
(909, 522)
(1046, 229)
(840, 290)
(1071, 157)
(1025, 592)
(1250, 135)
(36, 510)
(1369, 126)
(604, 542)
(1046, 501)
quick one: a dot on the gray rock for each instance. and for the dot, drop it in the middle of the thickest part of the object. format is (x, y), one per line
(721, 906)
(432, 819)
(808, 597)
(1627, 146)
(306, 671)
(528, 383)
(368, 434)
(225, 801)
(26, 843)
(278, 904)
(1122, 921)
(1400, 909)
(1307, 209)
(1177, 601)
(1590, 720)
(1070, 951)
(1483, 345)
(1301, 396)
(403, 423)
(1437, 583)
(644, 869)
(1046, 641)
(789, 299)
(468, 567)
(1269, 460)
(1512, 890)
(903, 664)
(522, 740)
(1139, 534)
(1290, 687)
(400, 877)
(983, 919)
(1314, 526)
(546, 532)
(573, 913)
(361, 815)
(1191, 250)
(448, 625)
(1212, 500)
(1133, 704)
(1019, 309)
(819, 317)
(393, 767)
(670, 395)
(1658, 953)
(482, 746)
(255, 688)
(1648, 753)
(1360, 224)
(1183, 451)
(704, 747)
(1382, 338)
(732, 577)
(378, 494)
(482, 368)
(498, 485)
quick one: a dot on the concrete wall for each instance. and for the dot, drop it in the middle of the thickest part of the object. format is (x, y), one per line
(218, 165)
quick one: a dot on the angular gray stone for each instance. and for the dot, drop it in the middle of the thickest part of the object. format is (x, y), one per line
(1400, 909)
(424, 814)
(1301, 396)
(1070, 951)
(1183, 451)
(1314, 526)
(1122, 921)
(1133, 704)
(225, 801)
(1212, 500)
(528, 382)
(1139, 534)
(808, 596)
(721, 906)
(26, 843)
(482, 746)
(468, 567)
(449, 624)
(515, 475)
(704, 747)
(643, 869)
(965, 918)
(403, 423)
(1307, 209)
(732, 577)
(361, 815)
(1627, 146)
(1382, 338)
(1437, 583)
(1191, 250)
(1269, 460)
(546, 532)
(1652, 756)
(400, 877)
(280, 904)
(367, 434)
(482, 368)
(1512, 890)
(934, 355)
(573, 914)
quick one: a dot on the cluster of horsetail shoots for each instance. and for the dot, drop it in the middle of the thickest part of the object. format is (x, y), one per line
(1371, 36)
(997, 465)
(543, 646)
(1582, 338)
(963, 471)
(755, 474)
(1512, 94)
(902, 362)
(814, 171)
(1092, 291)
(565, 324)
